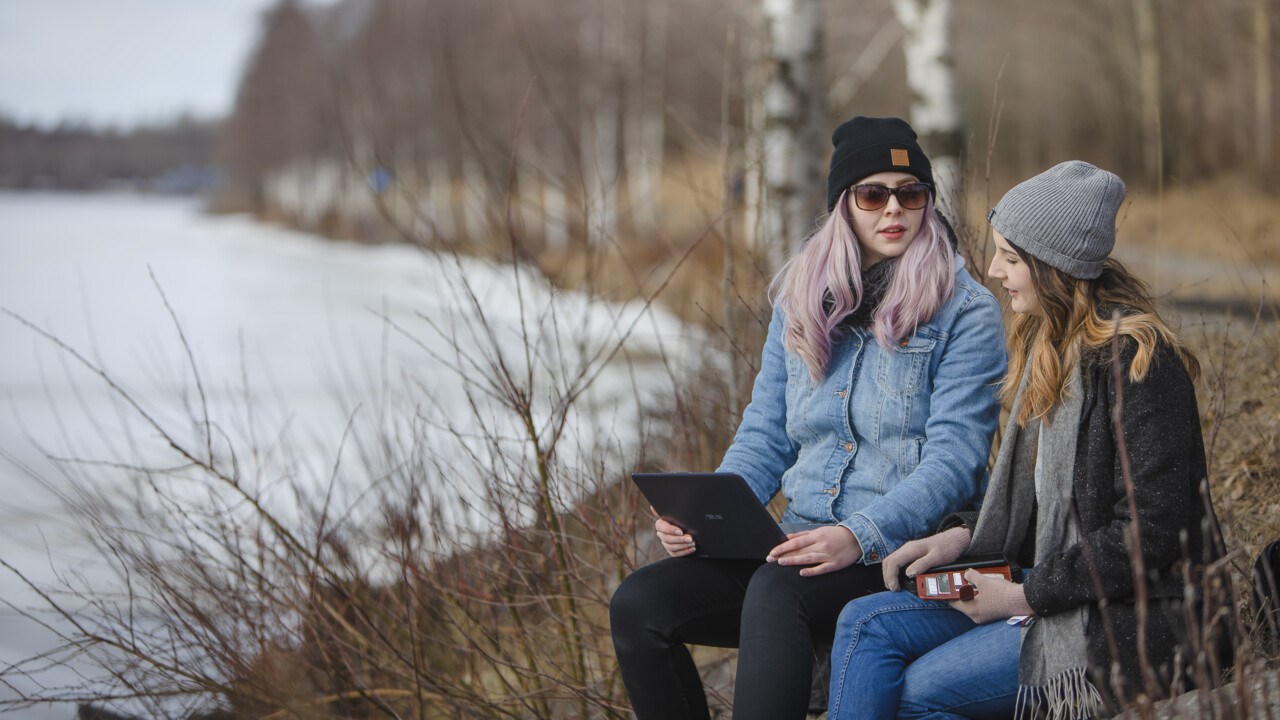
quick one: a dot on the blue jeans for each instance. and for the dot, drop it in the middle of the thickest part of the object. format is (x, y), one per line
(896, 655)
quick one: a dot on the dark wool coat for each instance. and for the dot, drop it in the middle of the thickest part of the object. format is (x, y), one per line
(1161, 426)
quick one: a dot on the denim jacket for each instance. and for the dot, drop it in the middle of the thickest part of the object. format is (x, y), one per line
(888, 443)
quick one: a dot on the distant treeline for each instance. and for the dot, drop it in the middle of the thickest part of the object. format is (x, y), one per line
(175, 157)
(446, 80)
(607, 93)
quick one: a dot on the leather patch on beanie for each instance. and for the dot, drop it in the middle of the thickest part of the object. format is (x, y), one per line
(898, 156)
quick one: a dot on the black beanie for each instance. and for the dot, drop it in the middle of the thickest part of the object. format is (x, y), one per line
(866, 146)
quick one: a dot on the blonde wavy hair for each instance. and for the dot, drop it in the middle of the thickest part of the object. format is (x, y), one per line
(1078, 317)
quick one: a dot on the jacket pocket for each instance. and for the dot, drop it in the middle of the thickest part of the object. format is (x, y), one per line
(900, 371)
(911, 450)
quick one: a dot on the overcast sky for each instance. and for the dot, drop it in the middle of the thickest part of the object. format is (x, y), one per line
(123, 61)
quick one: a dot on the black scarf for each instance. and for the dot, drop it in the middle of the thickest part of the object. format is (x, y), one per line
(875, 283)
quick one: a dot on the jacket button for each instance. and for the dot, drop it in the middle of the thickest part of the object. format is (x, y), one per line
(874, 556)
(848, 447)
(902, 342)
(840, 393)
(832, 491)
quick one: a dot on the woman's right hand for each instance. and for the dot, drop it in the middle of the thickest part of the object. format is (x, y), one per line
(920, 555)
(675, 541)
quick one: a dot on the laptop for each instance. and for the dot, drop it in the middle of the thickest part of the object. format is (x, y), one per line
(719, 510)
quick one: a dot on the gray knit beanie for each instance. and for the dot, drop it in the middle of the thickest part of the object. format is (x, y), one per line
(1065, 216)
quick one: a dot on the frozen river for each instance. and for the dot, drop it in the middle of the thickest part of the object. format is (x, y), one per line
(292, 336)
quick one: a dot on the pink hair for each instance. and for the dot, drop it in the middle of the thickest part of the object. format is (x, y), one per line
(822, 284)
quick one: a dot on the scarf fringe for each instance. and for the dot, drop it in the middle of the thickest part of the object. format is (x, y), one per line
(1069, 696)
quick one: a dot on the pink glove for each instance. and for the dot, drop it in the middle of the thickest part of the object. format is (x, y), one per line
(920, 555)
(995, 599)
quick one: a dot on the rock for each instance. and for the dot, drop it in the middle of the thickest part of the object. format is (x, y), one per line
(1262, 693)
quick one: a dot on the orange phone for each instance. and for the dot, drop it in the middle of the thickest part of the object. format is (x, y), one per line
(946, 582)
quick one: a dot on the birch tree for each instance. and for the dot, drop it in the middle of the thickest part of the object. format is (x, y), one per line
(1264, 134)
(926, 46)
(795, 120)
(475, 201)
(1144, 15)
(601, 43)
(443, 209)
(555, 213)
(645, 122)
(753, 82)
(550, 183)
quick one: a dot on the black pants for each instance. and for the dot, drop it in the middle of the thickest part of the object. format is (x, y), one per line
(769, 612)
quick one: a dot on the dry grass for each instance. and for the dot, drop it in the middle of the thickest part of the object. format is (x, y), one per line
(1240, 411)
(1216, 240)
(1227, 216)
(688, 255)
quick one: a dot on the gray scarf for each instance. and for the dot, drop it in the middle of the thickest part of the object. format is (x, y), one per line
(1035, 466)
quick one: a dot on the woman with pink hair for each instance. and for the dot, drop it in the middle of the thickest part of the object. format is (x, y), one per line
(872, 412)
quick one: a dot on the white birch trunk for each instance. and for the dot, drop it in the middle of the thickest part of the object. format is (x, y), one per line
(442, 208)
(555, 214)
(729, 171)
(1264, 134)
(320, 189)
(753, 194)
(926, 45)
(645, 121)
(353, 189)
(588, 59)
(475, 201)
(540, 191)
(1144, 15)
(795, 121)
(526, 202)
(601, 42)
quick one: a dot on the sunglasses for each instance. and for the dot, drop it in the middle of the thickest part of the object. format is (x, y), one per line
(911, 196)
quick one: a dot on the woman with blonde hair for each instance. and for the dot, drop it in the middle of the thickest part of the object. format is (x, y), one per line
(1088, 419)
(872, 412)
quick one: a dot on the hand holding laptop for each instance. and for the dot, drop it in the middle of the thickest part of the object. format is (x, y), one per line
(674, 540)
(717, 515)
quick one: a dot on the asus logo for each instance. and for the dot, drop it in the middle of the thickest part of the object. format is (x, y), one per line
(713, 516)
